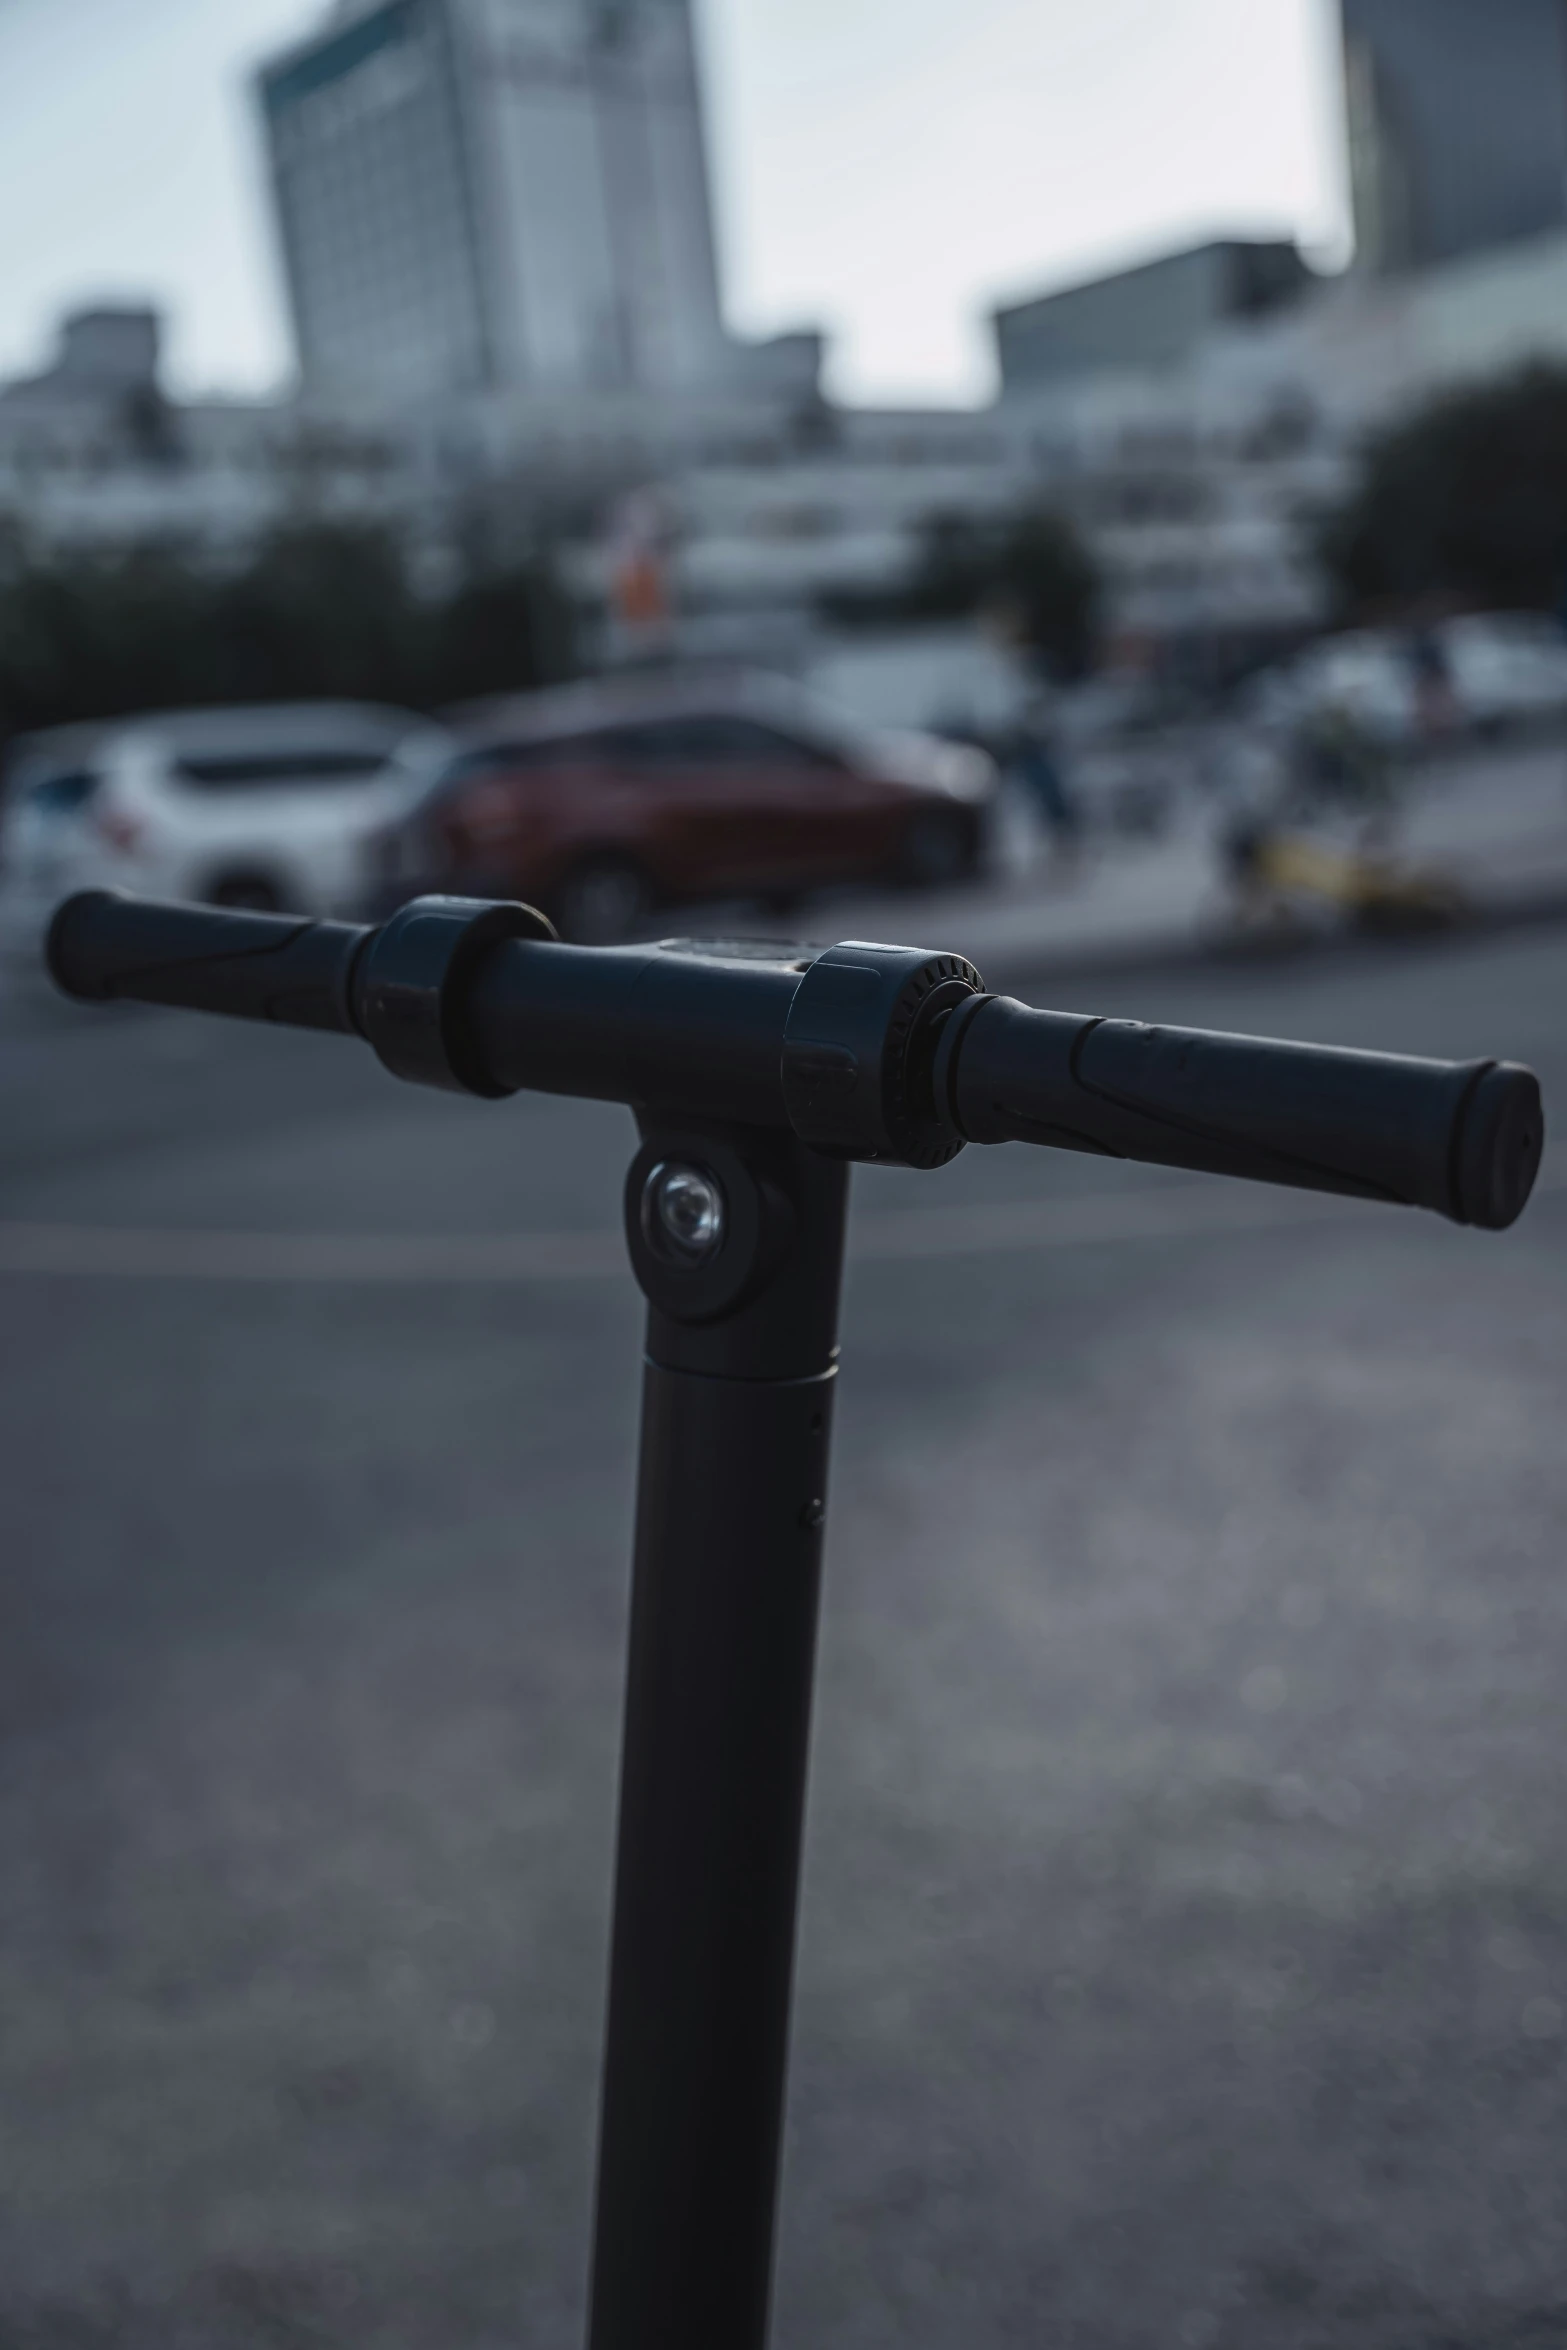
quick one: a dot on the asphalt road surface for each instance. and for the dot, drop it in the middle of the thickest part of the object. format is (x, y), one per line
(1184, 1950)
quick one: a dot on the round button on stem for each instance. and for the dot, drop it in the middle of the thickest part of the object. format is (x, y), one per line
(683, 1214)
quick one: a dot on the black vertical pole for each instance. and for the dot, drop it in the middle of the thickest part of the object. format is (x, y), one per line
(737, 1414)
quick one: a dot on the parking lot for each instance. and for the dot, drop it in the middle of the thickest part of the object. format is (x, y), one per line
(1184, 1949)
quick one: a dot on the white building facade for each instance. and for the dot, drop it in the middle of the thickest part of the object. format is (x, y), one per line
(1197, 484)
(497, 195)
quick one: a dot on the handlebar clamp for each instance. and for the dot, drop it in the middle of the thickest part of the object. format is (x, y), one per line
(413, 986)
(860, 1050)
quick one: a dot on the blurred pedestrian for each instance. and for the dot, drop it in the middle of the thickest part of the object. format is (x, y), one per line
(1034, 763)
(641, 603)
(1436, 700)
(1341, 764)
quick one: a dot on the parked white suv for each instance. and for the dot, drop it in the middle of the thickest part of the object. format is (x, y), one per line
(270, 808)
(1507, 668)
(1501, 669)
(1364, 676)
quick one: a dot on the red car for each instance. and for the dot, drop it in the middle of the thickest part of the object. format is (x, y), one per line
(600, 802)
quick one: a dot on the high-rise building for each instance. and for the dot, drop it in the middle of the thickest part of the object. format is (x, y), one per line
(496, 194)
(1150, 316)
(1457, 116)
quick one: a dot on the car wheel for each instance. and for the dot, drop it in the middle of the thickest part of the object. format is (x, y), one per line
(251, 893)
(601, 901)
(938, 849)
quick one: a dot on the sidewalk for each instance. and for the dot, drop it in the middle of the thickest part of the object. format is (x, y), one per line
(1496, 822)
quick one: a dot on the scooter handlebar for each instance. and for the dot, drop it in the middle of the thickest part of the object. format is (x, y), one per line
(467, 995)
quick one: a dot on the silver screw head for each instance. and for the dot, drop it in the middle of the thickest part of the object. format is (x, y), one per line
(683, 1213)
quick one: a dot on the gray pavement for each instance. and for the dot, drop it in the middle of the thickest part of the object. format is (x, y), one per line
(1184, 1954)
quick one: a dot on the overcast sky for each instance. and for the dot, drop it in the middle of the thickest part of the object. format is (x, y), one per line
(884, 167)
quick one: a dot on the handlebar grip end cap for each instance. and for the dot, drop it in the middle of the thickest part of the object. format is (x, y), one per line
(68, 960)
(1497, 1150)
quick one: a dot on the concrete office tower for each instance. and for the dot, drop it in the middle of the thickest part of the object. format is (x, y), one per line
(1150, 316)
(1457, 116)
(496, 195)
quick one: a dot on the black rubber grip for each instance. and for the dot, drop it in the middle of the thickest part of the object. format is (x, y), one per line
(103, 946)
(1463, 1138)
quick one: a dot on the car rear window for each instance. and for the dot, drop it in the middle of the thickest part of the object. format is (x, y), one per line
(716, 741)
(503, 759)
(252, 770)
(62, 795)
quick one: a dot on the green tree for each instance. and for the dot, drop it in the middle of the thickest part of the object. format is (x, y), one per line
(83, 637)
(502, 630)
(1045, 586)
(317, 610)
(320, 610)
(1463, 501)
(1029, 571)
